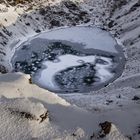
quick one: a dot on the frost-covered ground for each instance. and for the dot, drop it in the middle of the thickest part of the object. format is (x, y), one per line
(118, 102)
(29, 112)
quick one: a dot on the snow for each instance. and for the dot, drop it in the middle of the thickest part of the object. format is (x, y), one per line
(90, 37)
(115, 134)
(45, 77)
(10, 16)
(103, 72)
(65, 122)
(113, 103)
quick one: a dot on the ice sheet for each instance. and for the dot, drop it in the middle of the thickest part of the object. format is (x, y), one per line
(91, 37)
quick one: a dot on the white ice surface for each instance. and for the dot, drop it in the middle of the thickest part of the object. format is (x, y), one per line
(103, 72)
(45, 78)
(90, 37)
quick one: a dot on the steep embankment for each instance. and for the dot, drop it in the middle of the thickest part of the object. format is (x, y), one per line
(121, 18)
(21, 21)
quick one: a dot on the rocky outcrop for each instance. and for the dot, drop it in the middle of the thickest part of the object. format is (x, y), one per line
(109, 131)
(3, 69)
(24, 109)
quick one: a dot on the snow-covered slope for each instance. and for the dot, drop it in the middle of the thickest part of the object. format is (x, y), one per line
(19, 22)
(29, 112)
(118, 102)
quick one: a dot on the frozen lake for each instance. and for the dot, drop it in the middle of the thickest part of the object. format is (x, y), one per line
(74, 59)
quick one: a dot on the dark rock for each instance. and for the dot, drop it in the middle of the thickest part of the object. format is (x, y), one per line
(135, 98)
(37, 18)
(23, 114)
(119, 96)
(1, 52)
(44, 116)
(83, 13)
(92, 136)
(38, 31)
(74, 134)
(87, 20)
(30, 81)
(110, 24)
(109, 101)
(7, 32)
(2, 35)
(135, 6)
(105, 128)
(70, 5)
(129, 137)
(55, 23)
(28, 24)
(61, 13)
(28, 115)
(118, 17)
(42, 11)
(2, 69)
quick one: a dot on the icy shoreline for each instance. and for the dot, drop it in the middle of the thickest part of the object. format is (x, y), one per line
(49, 53)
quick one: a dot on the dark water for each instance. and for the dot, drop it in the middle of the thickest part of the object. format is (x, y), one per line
(29, 58)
